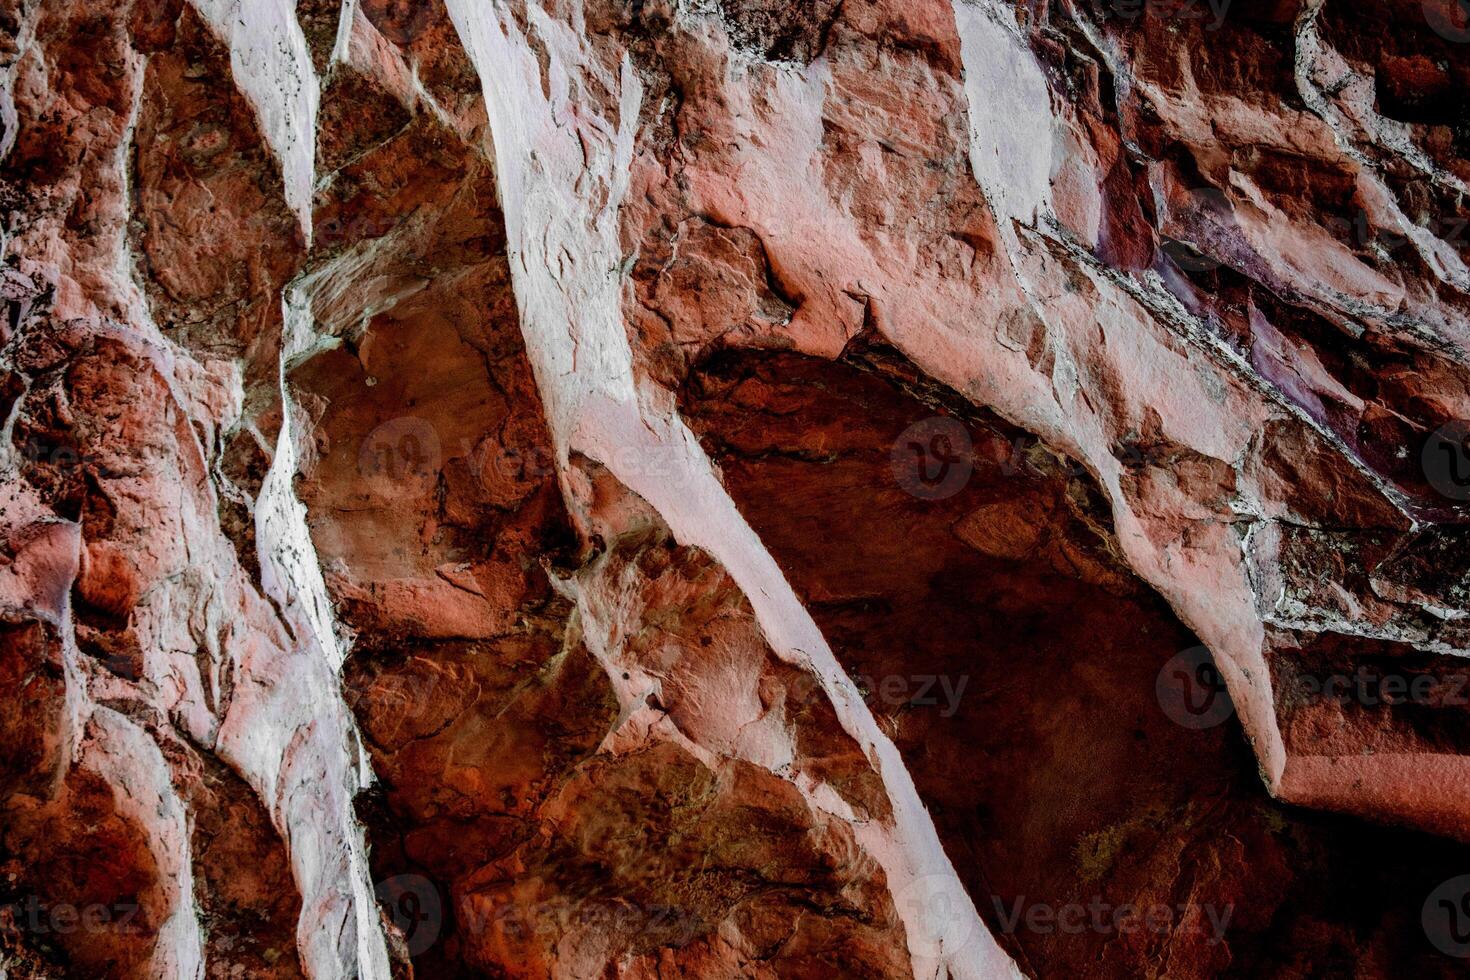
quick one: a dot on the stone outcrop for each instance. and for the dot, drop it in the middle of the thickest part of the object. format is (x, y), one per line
(734, 488)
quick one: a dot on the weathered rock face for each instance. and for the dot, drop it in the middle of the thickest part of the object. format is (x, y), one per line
(736, 489)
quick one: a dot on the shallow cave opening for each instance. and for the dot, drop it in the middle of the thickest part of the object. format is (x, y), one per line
(967, 579)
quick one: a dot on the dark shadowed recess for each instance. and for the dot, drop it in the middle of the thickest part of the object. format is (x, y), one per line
(65, 847)
(431, 504)
(1014, 659)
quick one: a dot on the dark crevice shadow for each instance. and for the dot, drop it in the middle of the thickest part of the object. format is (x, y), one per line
(1105, 814)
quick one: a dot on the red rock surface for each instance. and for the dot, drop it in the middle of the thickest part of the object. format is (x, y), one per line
(735, 488)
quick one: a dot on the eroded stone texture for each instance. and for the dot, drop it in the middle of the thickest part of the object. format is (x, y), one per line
(1032, 724)
(723, 488)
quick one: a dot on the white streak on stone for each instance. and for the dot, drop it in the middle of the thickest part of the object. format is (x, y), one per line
(307, 760)
(998, 110)
(341, 45)
(563, 170)
(129, 761)
(1011, 119)
(1319, 70)
(272, 67)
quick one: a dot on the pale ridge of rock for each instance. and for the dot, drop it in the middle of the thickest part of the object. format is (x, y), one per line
(272, 67)
(561, 207)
